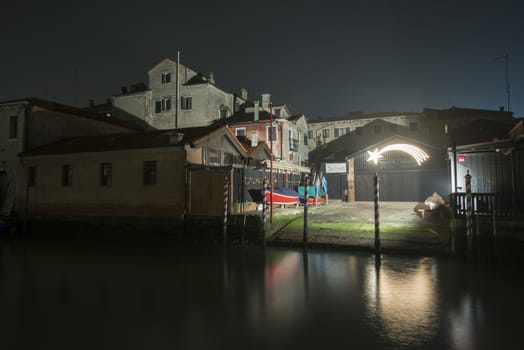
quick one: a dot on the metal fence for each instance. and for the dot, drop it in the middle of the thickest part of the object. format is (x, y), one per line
(489, 204)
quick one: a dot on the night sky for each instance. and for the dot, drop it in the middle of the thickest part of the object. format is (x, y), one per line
(322, 58)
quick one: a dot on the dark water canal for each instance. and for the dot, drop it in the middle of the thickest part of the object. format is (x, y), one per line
(108, 295)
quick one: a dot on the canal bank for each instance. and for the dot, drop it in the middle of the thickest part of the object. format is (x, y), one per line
(342, 225)
(404, 229)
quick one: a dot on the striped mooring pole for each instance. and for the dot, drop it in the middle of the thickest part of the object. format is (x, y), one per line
(376, 181)
(306, 197)
(264, 202)
(469, 213)
(226, 200)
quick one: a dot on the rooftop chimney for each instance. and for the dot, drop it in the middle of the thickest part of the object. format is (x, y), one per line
(265, 101)
(243, 93)
(211, 77)
(254, 139)
(256, 111)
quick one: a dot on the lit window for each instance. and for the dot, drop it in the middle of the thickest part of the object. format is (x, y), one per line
(150, 172)
(67, 175)
(166, 77)
(106, 174)
(186, 103)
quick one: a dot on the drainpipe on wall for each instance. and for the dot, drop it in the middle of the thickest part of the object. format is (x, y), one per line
(455, 166)
(281, 142)
(177, 91)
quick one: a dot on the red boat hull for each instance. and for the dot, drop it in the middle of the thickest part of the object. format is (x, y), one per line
(281, 199)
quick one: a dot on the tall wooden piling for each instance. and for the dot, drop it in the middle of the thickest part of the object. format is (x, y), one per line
(376, 181)
(469, 214)
(306, 196)
(226, 201)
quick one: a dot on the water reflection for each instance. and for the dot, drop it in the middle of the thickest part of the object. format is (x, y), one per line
(403, 301)
(171, 297)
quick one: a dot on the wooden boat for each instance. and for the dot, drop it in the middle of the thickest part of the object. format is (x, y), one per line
(282, 196)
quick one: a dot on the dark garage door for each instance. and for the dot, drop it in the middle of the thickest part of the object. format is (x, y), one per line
(412, 186)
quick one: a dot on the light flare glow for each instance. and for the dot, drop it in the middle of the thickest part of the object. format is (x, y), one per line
(418, 154)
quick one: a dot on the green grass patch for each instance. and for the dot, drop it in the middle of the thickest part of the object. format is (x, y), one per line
(366, 230)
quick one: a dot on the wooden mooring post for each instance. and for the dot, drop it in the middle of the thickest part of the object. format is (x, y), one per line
(264, 210)
(376, 181)
(306, 196)
(226, 201)
(469, 215)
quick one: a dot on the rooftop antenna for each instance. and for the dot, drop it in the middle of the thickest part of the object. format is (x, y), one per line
(506, 57)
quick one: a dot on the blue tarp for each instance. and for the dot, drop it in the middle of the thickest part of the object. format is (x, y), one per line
(311, 191)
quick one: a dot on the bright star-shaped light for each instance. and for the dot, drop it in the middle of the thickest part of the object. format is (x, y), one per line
(418, 154)
(375, 156)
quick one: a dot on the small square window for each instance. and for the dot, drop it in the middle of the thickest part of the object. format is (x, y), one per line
(186, 103)
(163, 105)
(166, 77)
(240, 132)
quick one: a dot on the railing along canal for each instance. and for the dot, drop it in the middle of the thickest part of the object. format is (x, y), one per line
(489, 204)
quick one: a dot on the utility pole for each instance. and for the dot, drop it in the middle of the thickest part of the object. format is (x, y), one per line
(506, 57)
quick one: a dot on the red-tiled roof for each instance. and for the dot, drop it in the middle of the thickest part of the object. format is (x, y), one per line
(58, 107)
(152, 139)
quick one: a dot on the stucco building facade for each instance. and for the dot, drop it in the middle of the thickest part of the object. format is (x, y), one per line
(177, 97)
(30, 123)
